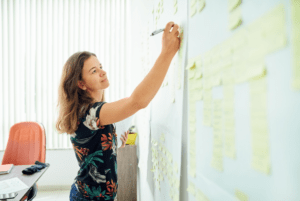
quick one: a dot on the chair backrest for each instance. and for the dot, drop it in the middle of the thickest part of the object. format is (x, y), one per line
(26, 144)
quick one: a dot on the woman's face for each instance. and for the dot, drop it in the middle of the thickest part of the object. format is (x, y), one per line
(94, 77)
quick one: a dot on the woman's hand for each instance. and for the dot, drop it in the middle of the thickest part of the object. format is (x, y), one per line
(170, 39)
(124, 139)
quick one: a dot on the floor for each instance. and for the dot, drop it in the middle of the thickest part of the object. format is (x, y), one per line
(62, 195)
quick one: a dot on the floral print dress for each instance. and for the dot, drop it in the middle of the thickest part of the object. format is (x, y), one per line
(95, 148)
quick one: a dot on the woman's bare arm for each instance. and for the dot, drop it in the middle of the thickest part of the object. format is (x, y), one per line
(147, 89)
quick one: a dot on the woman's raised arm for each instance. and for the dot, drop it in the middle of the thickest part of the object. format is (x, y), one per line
(147, 89)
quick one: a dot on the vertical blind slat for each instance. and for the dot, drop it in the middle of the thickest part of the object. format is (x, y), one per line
(49, 97)
(5, 70)
(15, 55)
(63, 138)
(38, 63)
(86, 25)
(54, 68)
(76, 25)
(102, 36)
(44, 65)
(113, 49)
(91, 28)
(1, 84)
(22, 59)
(127, 43)
(11, 85)
(107, 46)
(117, 48)
(27, 60)
(65, 54)
(60, 46)
(122, 52)
(32, 71)
(97, 33)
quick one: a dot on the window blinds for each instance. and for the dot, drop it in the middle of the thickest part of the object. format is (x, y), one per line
(36, 39)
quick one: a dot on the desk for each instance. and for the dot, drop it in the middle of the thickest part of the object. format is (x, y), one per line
(29, 180)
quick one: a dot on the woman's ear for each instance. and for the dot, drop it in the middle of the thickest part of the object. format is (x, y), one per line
(81, 85)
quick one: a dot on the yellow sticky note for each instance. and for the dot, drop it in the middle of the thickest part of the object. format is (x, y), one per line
(235, 18)
(296, 44)
(191, 64)
(176, 167)
(232, 4)
(198, 84)
(276, 42)
(198, 61)
(175, 9)
(200, 196)
(198, 74)
(257, 71)
(193, 11)
(193, 3)
(192, 74)
(258, 86)
(198, 96)
(191, 189)
(162, 137)
(201, 5)
(240, 195)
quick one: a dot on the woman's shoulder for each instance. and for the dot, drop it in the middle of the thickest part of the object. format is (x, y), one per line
(90, 119)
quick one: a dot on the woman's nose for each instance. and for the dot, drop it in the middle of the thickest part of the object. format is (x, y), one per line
(102, 73)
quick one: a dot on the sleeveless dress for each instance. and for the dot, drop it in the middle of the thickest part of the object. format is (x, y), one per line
(95, 148)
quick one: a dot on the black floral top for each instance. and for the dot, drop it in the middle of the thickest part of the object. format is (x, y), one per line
(95, 147)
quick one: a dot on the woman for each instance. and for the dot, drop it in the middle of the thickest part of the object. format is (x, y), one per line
(84, 114)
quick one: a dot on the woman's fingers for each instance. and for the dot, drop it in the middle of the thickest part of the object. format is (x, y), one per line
(123, 138)
(168, 27)
(175, 29)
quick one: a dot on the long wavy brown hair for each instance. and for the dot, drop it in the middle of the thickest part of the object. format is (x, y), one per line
(73, 102)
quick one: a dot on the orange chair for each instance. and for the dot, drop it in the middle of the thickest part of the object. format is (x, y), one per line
(26, 144)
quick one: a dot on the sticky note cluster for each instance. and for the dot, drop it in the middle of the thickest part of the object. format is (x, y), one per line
(259, 126)
(240, 195)
(175, 6)
(164, 167)
(159, 10)
(195, 94)
(296, 44)
(241, 57)
(196, 192)
(180, 57)
(217, 159)
(196, 6)
(207, 107)
(229, 121)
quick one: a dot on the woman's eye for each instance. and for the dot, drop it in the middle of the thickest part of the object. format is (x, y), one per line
(94, 71)
(101, 67)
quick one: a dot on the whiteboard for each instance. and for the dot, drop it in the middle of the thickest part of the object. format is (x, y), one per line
(167, 106)
(209, 173)
(207, 30)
